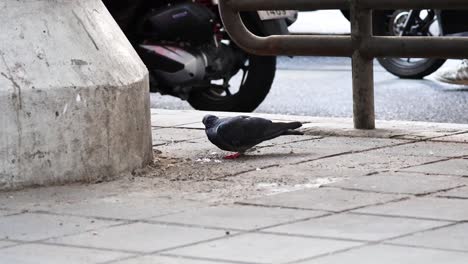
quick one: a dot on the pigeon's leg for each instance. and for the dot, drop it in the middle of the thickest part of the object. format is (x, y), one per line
(233, 156)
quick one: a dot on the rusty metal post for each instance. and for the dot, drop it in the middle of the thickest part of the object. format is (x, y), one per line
(362, 68)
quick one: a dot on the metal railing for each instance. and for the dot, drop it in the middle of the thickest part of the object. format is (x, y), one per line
(361, 46)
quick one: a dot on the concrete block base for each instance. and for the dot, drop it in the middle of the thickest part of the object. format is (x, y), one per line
(74, 98)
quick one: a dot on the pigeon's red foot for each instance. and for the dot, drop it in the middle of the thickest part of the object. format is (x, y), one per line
(233, 156)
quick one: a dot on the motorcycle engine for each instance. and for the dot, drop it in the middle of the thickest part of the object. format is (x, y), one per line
(180, 48)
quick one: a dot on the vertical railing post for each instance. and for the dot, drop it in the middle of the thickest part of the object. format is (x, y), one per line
(362, 68)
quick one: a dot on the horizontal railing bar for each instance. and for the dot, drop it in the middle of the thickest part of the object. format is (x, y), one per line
(308, 5)
(411, 4)
(296, 45)
(417, 47)
(301, 5)
(342, 46)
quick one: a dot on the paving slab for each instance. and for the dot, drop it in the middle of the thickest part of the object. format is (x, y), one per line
(193, 119)
(167, 260)
(385, 129)
(402, 183)
(30, 226)
(424, 207)
(453, 237)
(200, 160)
(461, 138)
(7, 212)
(460, 193)
(352, 226)
(122, 199)
(387, 254)
(427, 148)
(264, 248)
(51, 254)
(452, 167)
(368, 162)
(4, 243)
(324, 125)
(130, 207)
(174, 135)
(329, 199)
(238, 217)
(280, 179)
(164, 118)
(140, 237)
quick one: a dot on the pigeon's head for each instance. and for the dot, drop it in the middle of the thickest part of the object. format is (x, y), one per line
(209, 120)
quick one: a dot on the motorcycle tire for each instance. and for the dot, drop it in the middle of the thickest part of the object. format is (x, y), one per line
(398, 66)
(408, 70)
(257, 84)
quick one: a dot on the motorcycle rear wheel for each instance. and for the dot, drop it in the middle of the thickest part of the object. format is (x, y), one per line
(252, 91)
(411, 70)
(405, 68)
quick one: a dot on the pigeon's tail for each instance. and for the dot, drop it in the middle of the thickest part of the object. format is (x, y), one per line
(289, 128)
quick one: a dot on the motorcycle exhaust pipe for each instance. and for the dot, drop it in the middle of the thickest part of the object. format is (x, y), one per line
(172, 65)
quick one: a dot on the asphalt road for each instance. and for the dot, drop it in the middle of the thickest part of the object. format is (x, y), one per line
(322, 87)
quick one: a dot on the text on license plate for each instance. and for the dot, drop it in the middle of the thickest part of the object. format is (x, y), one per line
(276, 14)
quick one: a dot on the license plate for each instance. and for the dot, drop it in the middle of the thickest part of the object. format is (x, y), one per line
(276, 14)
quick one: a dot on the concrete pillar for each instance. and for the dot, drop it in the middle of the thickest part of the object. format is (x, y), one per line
(74, 101)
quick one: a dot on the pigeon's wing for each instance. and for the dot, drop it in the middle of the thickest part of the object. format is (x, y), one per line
(244, 131)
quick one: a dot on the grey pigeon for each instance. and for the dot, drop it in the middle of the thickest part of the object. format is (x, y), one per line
(240, 133)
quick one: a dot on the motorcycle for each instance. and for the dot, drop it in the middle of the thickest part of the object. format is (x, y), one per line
(417, 23)
(189, 54)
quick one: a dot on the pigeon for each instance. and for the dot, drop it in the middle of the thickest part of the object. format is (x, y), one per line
(240, 133)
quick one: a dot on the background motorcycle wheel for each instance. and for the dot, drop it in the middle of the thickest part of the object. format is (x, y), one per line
(407, 69)
(388, 23)
(259, 75)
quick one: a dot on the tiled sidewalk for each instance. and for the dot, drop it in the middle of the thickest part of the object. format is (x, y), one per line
(398, 194)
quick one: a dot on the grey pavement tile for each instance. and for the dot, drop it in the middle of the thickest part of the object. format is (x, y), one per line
(141, 237)
(368, 162)
(330, 199)
(404, 183)
(201, 160)
(452, 237)
(288, 178)
(50, 254)
(166, 260)
(335, 145)
(385, 129)
(45, 198)
(386, 254)
(423, 207)
(461, 138)
(452, 167)
(196, 125)
(264, 248)
(238, 217)
(173, 119)
(427, 148)
(125, 206)
(314, 148)
(7, 212)
(4, 243)
(121, 199)
(31, 226)
(352, 226)
(173, 135)
(461, 193)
